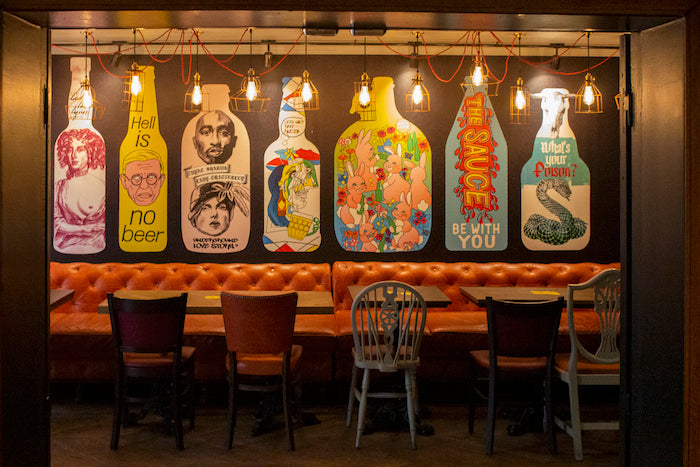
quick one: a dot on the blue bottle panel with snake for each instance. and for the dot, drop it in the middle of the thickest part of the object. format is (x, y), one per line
(555, 183)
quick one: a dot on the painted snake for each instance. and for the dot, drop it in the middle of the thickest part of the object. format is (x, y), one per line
(550, 231)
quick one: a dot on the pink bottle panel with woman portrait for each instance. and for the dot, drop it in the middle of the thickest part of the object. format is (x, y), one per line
(79, 176)
(215, 190)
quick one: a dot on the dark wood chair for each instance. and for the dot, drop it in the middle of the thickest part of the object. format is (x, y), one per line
(148, 338)
(261, 356)
(522, 341)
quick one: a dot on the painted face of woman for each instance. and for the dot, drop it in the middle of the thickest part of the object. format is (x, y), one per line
(213, 218)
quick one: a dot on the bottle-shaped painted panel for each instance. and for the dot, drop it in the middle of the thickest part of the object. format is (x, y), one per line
(79, 174)
(476, 177)
(292, 171)
(215, 179)
(143, 169)
(555, 182)
(383, 176)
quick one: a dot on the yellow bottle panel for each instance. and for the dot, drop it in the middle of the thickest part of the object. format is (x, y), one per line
(143, 169)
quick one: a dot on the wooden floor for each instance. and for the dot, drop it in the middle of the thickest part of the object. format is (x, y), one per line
(80, 434)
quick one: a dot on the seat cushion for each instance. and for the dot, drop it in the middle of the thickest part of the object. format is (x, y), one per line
(585, 366)
(519, 364)
(266, 364)
(143, 360)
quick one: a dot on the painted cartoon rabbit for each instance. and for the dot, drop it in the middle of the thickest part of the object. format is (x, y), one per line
(368, 234)
(419, 193)
(406, 235)
(395, 185)
(348, 213)
(365, 155)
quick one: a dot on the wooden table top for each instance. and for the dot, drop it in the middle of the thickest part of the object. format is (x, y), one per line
(582, 298)
(433, 296)
(58, 297)
(209, 301)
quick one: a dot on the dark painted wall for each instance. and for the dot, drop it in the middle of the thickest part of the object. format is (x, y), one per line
(597, 136)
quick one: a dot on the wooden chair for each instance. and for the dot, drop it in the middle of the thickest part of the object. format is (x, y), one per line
(388, 319)
(261, 356)
(599, 367)
(522, 341)
(148, 338)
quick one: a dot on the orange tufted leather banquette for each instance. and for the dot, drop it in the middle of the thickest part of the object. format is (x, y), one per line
(81, 346)
(453, 331)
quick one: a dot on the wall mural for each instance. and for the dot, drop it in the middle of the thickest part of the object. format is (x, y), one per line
(292, 168)
(143, 168)
(383, 177)
(215, 179)
(476, 177)
(79, 175)
(556, 183)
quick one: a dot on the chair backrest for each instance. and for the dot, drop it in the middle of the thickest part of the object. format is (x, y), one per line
(388, 320)
(523, 329)
(261, 324)
(151, 326)
(607, 286)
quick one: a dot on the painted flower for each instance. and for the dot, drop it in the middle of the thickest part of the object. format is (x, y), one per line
(342, 197)
(381, 176)
(381, 133)
(423, 144)
(390, 129)
(342, 178)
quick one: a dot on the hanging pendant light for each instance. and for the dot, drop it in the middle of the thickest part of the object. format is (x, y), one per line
(519, 96)
(194, 97)
(249, 98)
(365, 95)
(588, 99)
(309, 93)
(132, 95)
(88, 106)
(479, 73)
(417, 97)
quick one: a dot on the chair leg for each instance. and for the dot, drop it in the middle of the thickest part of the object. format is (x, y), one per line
(549, 414)
(363, 407)
(491, 417)
(285, 402)
(177, 417)
(410, 407)
(351, 396)
(117, 415)
(471, 397)
(575, 419)
(232, 409)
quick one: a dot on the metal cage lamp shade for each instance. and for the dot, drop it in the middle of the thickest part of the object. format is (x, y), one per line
(249, 98)
(366, 99)
(309, 93)
(588, 99)
(195, 98)
(479, 74)
(417, 97)
(519, 103)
